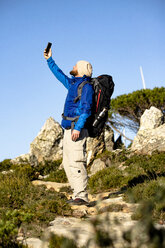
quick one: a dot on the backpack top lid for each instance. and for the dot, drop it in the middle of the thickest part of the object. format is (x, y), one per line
(106, 83)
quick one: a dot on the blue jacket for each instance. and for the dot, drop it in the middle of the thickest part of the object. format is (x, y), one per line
(83, 107)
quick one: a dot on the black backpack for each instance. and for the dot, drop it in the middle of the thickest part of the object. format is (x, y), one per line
(103, 89)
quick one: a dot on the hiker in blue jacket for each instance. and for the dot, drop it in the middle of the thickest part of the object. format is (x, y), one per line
(74, 118)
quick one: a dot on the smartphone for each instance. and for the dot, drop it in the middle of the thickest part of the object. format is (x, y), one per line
(48, 47)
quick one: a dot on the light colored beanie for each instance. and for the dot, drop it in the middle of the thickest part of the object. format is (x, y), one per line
(84, 68)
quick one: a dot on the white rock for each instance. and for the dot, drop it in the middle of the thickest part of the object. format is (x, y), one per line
(21, 159)
(109, 138)
(151, 119)
(48, 143)
(36, 243)
(97, 166)
(54, 185)
(94, 146)
(151, 135)
(7, 172)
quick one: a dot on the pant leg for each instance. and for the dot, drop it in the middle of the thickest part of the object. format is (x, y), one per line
(66, 156)
(76, 167)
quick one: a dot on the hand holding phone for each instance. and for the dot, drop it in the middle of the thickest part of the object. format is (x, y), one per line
(47, 51)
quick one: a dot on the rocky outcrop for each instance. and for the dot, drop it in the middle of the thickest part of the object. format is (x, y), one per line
(46, 146)
(48, 143)
(95, 146)
(109, 138)
(151, 134)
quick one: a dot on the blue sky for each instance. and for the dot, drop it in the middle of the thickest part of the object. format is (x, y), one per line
(116, 36)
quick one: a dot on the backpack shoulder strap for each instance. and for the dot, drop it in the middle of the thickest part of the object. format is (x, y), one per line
(80, 87)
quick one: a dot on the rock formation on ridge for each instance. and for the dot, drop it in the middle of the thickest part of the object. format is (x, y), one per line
(151, 134)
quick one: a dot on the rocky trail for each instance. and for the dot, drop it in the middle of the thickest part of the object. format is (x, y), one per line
(108, 208)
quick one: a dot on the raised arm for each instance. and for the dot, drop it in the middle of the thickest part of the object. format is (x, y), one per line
(56, 70)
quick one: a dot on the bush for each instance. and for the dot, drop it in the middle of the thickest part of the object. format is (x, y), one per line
(9, 224)
(17, 192)
(58, 176)
(149, 192)
(5, 165)
(13, 190)
(32, 172)
(47, 167)
(61, 242)
(115, 157)
(106, 179)
(26, 170)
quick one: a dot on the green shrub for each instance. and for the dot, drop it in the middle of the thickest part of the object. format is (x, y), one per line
(106, 179)
(61, 242)
(32, 172)
(5, 165)
(143, 191)
(26, 170)
(115, 157)
(152, 165)
(156, 164)
(47, 167)
(13, 190)
(9, 224)
(42, 205)
(151, 192)
(141, 168)
(58, 176)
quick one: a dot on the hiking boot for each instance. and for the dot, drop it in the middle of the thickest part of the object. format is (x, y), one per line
(70, 200)
(79, 202)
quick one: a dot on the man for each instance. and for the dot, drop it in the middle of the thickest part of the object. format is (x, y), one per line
(74, 119)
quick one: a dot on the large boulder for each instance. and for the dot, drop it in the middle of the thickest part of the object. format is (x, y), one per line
(48, 143)
(151, 134)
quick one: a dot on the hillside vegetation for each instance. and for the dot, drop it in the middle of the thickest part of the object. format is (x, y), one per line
(141, 178)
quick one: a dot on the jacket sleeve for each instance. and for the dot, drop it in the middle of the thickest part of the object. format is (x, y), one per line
(85, 106)
(58, 73)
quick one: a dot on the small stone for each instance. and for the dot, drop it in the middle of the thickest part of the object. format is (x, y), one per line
(79, 213)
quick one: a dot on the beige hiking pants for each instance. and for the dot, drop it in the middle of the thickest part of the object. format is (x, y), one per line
(74, 162)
